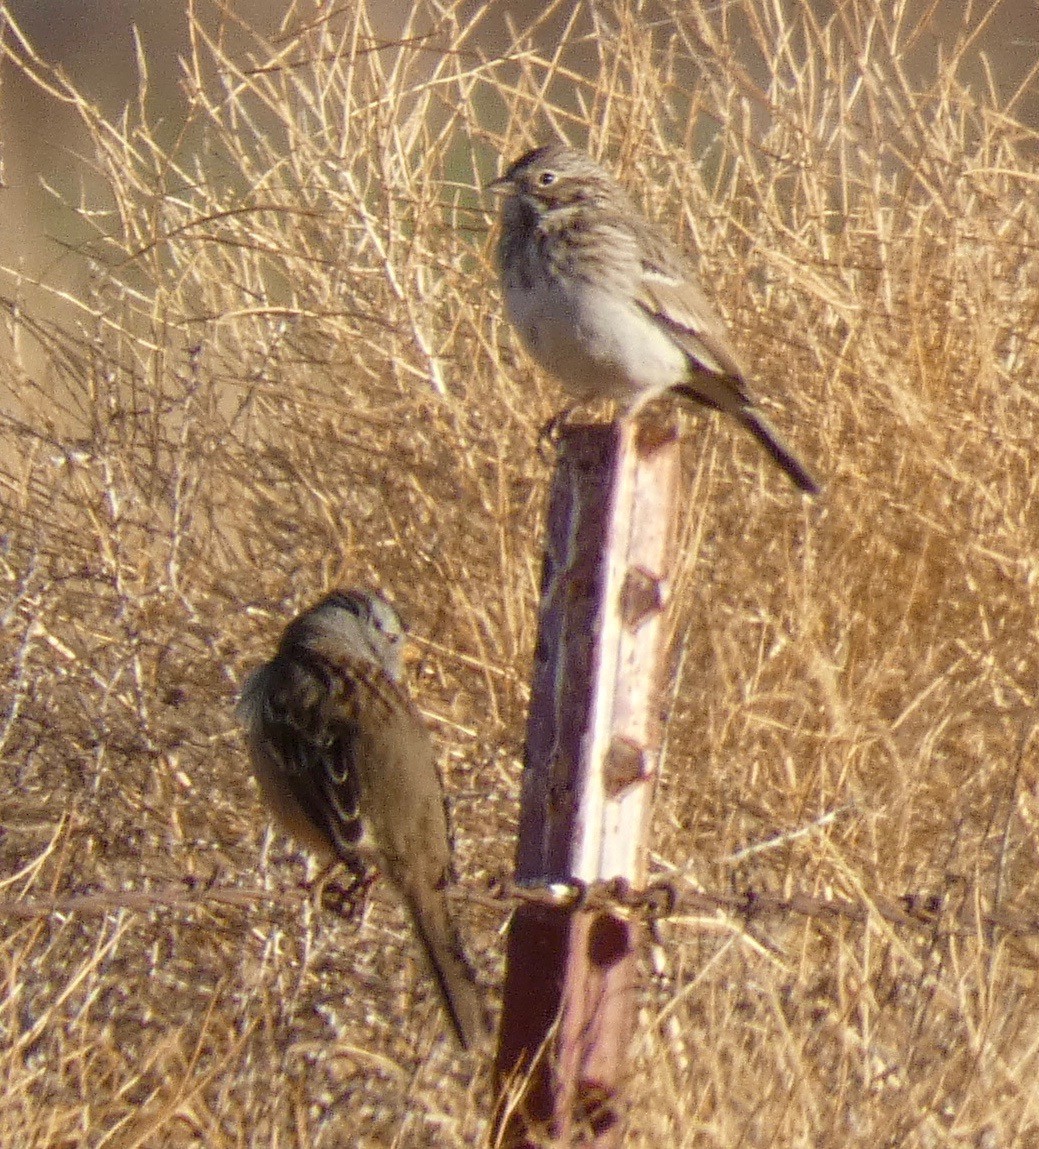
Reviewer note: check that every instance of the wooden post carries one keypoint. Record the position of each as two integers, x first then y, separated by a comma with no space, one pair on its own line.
593,740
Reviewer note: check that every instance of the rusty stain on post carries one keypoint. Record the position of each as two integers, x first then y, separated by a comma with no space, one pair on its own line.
593,742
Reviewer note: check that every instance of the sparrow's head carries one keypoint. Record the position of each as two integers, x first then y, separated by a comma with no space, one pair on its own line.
553,177
361,621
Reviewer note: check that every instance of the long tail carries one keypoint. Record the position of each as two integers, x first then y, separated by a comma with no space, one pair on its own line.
454,976
759,426
729,393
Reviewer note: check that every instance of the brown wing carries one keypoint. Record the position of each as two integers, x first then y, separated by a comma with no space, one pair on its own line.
304,748
670,291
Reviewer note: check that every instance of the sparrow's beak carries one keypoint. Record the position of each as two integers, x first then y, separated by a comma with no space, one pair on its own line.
499,186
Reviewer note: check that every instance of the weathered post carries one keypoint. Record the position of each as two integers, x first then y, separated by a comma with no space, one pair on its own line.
593,740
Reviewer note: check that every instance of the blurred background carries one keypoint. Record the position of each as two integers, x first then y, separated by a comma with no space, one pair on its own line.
95,43
282,364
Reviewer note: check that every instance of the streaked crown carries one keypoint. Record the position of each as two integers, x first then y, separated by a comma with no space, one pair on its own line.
363,621
555,176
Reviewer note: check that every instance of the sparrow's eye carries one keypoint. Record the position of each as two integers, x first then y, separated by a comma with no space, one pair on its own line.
546,179
387,622
390,628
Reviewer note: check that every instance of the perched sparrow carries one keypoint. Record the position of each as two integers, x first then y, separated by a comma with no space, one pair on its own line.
605,302
347,766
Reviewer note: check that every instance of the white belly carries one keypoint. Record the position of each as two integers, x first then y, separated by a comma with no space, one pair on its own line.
598,345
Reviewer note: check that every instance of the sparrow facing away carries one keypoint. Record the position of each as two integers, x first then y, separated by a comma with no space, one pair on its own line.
348,768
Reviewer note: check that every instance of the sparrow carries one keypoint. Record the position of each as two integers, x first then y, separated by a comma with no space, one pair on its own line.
604,301
347,766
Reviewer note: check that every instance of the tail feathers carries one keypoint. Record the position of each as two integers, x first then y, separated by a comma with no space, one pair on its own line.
759,426
455,979
729,393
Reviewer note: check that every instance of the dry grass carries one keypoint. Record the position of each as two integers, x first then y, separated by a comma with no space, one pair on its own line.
291,370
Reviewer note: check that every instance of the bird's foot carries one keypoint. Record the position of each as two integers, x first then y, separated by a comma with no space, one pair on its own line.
551,431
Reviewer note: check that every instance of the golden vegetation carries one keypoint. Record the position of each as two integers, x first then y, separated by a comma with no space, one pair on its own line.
290,369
